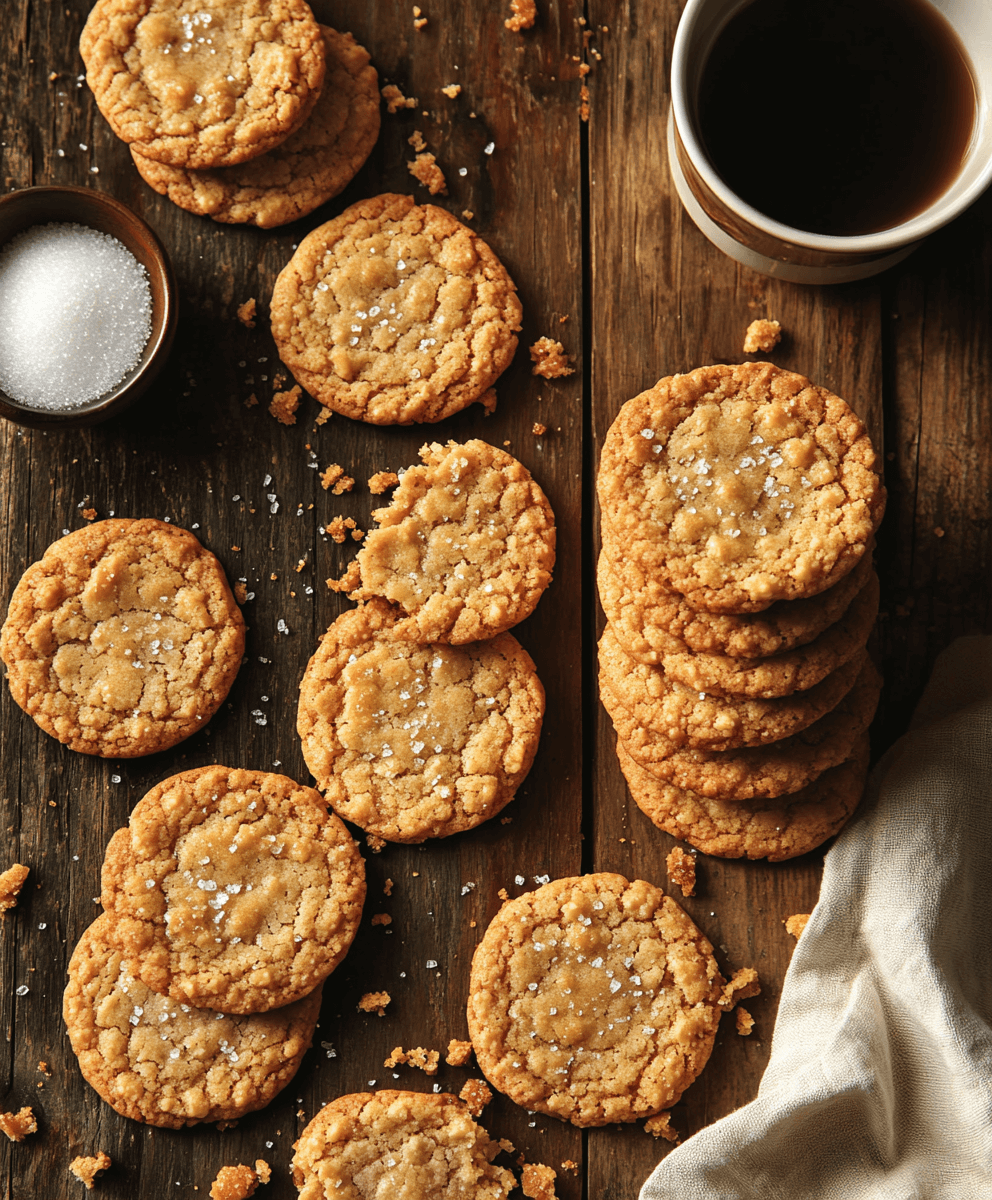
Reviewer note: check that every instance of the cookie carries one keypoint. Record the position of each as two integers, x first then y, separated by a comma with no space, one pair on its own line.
394,313
164,1063
465,548
650,701
205,84
123,639
774,829
411,741
394,1143
234,890
794,671
755,772
297,176
741,485
593,999
650,619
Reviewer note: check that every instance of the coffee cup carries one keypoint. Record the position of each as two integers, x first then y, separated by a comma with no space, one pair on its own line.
772,247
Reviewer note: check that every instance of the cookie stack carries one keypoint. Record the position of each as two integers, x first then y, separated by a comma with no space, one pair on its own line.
739,504
419,713
228,897
247,112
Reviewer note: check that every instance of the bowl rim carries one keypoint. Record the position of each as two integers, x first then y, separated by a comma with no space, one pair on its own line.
163,330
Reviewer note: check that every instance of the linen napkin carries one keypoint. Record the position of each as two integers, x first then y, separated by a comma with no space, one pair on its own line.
879,1083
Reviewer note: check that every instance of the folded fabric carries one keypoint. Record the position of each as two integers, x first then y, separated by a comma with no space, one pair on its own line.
879,1085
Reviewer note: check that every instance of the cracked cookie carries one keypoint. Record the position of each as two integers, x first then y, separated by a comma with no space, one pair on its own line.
593,999
753,772
203,83
411,741
775,829
297,176
393,1143
233,890
740,485
394,313
168,1064
465,547
123,639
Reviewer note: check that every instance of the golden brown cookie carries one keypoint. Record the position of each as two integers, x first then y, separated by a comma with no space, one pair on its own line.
650,619
741,485
782,674
593,999
234,890
409,740
123,639
394,1143
465,547
165,1063
652,702
203,83
395,312
297,176
761,771
773,829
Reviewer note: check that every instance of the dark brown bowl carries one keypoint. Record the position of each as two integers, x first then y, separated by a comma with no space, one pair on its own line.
82,206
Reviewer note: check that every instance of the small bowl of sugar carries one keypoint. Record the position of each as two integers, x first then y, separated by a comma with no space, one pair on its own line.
87,307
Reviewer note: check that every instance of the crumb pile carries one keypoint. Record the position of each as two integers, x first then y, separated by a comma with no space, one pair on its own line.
739,506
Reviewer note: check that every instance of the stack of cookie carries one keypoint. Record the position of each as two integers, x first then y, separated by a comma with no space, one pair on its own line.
247,111
739,504
228,897
419,713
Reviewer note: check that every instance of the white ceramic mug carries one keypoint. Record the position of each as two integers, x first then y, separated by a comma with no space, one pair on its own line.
756,240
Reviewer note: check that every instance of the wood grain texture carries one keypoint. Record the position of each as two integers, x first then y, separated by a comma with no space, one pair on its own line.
588,224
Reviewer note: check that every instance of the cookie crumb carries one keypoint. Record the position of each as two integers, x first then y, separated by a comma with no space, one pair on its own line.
537,1180
11,882
235,1183
762,335
43,1068
458,1053
87,1168
89,514
263,1170
382,481
374,1002
349,580
937,531
682,870
745,1022
743,984
241,592
424,1060
660,1126
505,820
794,924
285,404
387,888
382,919
524,15
373,841
416,140
452,90
419,21
538,430
506,1146
246,313
251,401
335,479
584,103
395,100
476,1095
549,359
425,170
503,894
324,416
568,1165
18,1125
467,214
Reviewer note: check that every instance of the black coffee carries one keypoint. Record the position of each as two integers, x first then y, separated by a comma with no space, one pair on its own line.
837,116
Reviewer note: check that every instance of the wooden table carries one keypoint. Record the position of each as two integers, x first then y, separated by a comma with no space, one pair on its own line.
586,220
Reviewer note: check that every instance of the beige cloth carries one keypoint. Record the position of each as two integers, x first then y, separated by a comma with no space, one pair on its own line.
879,1085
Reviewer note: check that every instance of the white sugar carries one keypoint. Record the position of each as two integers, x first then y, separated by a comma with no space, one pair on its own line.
75,315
